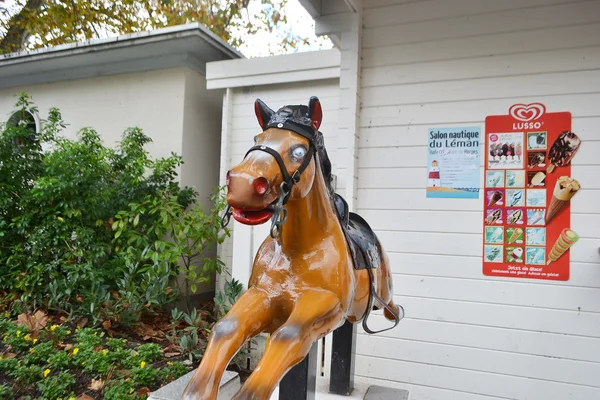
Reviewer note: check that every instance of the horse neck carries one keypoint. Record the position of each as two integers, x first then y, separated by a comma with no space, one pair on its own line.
310,218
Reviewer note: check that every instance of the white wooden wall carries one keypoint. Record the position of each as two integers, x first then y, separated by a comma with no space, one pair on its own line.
436,63
244,126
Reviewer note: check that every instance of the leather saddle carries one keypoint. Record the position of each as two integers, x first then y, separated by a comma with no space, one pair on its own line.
361,239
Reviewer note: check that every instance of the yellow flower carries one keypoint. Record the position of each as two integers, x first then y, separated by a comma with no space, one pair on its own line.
53,327
75,351
130,390
59,218
32,350
27,338
46,372
35,341
68,332
6,315
169,363
105,352
142,364
18,333
72,398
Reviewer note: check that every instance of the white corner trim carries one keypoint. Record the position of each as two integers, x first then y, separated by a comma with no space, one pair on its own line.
297,67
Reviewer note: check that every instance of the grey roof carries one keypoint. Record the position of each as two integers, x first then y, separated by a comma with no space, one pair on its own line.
191,45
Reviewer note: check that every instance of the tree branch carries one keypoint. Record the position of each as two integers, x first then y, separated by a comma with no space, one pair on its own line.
17,33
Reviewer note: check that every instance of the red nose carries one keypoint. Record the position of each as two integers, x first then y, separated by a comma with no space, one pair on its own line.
261,185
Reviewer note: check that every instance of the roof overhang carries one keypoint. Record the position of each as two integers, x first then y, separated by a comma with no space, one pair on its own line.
191,45
331,24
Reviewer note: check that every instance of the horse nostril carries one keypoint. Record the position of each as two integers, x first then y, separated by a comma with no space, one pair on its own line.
261,185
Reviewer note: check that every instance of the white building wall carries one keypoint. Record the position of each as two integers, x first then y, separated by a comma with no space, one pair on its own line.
244,126
466,336
151,100
172,107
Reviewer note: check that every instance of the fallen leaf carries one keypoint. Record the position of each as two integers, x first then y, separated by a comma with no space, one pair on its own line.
8,355
85,397
96,385
33,322
169,355
68,346
144,391
106,324
82,322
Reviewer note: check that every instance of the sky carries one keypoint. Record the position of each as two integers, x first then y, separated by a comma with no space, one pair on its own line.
299,22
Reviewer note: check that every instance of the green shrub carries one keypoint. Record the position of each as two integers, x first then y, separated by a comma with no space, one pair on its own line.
97,231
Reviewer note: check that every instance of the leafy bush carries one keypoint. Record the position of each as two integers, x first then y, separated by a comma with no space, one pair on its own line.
97,231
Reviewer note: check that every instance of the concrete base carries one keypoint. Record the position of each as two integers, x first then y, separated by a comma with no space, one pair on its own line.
384,393
230,384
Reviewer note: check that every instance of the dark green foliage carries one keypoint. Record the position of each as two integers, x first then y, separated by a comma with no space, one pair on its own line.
97,231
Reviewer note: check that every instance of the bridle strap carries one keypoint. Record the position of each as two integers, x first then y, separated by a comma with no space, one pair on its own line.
290,181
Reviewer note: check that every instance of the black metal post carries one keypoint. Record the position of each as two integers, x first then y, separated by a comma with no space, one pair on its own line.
342,360
300,383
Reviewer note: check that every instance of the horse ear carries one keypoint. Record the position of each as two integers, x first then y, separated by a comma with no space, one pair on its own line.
315,112
263,113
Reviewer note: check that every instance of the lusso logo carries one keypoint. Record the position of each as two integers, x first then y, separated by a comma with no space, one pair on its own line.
527,114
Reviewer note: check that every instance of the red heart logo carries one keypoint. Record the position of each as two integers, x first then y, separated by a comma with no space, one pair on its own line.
527,112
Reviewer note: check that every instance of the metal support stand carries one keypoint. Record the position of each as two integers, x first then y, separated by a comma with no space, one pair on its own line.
300,383
342,360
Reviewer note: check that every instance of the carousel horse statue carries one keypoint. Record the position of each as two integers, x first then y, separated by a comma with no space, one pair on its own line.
320,266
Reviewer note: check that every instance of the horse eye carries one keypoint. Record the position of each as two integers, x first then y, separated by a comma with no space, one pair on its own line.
298,153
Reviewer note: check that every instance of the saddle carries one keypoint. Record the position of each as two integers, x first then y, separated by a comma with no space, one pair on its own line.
361,239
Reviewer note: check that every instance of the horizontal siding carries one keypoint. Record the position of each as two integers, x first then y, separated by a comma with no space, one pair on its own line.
439,63
469,25
546,37
431,10
244,127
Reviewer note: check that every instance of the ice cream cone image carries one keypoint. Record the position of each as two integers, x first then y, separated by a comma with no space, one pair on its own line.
566,239
565,188
515,235
563,150
496,197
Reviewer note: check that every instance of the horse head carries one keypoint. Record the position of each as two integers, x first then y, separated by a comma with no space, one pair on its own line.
279,167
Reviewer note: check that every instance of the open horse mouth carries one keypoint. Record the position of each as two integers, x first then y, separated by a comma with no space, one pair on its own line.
251,217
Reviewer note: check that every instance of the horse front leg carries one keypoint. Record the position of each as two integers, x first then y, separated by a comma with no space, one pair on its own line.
315,314
249,316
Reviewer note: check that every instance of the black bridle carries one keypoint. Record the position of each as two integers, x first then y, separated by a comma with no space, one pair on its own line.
285,188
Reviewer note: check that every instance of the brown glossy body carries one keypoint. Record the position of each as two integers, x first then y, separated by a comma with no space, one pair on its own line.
303,284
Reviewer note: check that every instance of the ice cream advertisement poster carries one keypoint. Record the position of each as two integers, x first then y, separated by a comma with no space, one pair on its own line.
528,189
453,162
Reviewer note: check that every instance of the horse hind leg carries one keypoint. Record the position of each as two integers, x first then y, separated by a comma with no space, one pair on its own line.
386,289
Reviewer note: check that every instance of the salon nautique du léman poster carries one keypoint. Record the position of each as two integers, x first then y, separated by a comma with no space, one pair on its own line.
453,163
